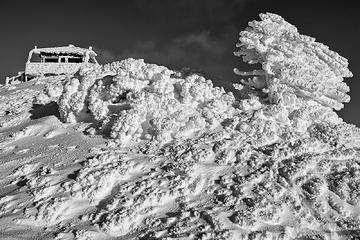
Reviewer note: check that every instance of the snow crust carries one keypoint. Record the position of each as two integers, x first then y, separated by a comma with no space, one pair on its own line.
145,152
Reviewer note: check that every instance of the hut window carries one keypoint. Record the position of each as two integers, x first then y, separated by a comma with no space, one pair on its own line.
35,58
75,60
51,59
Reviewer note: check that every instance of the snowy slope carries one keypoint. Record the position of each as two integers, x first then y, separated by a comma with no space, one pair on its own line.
131,150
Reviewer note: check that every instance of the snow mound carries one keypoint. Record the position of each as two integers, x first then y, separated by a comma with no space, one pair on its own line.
13,109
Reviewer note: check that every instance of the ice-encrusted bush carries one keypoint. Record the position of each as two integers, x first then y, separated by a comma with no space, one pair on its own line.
133,100
293,65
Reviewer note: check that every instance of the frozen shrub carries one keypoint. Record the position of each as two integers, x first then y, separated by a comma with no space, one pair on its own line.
133,100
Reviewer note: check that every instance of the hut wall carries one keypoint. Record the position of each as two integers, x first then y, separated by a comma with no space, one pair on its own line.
36,69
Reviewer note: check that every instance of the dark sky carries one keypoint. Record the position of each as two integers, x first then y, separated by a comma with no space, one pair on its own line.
200,34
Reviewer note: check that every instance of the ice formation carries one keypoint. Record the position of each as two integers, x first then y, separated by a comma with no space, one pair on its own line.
132,100
293,65
181,159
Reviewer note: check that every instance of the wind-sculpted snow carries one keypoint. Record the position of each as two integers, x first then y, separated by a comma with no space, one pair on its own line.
293,65
169,156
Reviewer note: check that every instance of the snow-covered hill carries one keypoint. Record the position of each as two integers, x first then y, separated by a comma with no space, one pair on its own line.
131,150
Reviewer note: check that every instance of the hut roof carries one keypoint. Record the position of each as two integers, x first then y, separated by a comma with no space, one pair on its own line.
71,49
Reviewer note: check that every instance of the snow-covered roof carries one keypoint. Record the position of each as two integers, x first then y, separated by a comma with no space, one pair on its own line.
71,49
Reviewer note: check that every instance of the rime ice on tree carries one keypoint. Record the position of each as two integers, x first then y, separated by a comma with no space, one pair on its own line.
293,65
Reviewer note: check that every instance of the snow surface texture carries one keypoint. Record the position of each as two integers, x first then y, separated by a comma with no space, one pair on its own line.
144,152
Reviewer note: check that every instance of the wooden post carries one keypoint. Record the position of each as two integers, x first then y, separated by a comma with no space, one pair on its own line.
7,81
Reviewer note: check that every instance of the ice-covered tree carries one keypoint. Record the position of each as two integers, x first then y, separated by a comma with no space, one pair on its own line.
294,66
